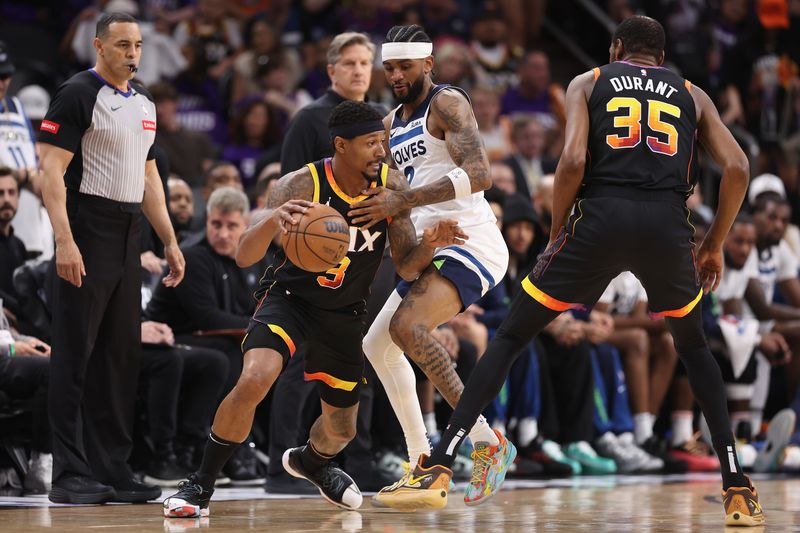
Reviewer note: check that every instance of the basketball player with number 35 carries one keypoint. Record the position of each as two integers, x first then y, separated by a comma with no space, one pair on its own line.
326,310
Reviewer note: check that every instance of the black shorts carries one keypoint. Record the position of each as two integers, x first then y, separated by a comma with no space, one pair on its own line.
614,229
334,358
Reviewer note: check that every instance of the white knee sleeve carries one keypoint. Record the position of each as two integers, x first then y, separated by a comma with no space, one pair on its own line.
397,377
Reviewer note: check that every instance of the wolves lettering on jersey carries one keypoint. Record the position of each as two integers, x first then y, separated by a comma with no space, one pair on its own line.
348,283
424,159
642,130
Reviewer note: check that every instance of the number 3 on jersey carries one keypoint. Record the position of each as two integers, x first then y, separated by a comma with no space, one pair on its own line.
338,275
633,121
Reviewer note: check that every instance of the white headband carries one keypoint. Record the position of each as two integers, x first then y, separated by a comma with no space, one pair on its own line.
405,51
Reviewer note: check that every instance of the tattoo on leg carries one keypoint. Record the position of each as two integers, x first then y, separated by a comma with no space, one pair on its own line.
332,433
434,360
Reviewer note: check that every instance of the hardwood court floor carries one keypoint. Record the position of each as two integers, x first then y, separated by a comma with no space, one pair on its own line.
586,504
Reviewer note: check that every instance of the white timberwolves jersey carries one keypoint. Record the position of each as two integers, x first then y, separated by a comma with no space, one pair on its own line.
16,136
424,159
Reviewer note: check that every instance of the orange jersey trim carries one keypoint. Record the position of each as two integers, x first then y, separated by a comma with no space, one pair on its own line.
280,332
330,381
683,311
596,72
335,186
545,299
687,84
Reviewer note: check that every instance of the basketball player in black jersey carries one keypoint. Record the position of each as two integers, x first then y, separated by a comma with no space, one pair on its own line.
326,310
630,145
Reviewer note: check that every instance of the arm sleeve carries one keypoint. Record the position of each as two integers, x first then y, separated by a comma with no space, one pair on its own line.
198,298
298,143
69,116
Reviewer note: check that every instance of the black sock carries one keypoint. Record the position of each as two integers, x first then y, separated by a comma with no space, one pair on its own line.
732,475
311,459
217,453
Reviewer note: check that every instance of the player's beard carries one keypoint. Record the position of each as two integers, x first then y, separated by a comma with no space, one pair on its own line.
414,90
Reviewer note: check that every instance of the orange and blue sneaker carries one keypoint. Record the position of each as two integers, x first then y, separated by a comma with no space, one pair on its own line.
422,488
489,467
741,506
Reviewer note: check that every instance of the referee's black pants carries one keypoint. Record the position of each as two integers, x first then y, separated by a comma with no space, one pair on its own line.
96,342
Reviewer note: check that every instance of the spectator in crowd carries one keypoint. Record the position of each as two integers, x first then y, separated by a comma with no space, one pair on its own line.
190,153
503,178
443,18
255,136
528,158
280,91
24,371
12,249
182,387
495,58
371,17
162,55
181,206
218,35
543,202
454,65
495,129
18,152
536,93
263,45
523,237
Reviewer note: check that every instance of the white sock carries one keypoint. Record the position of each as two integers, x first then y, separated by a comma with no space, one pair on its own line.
527,430
430,423
397,377
643,426
681,427
756,418
482,432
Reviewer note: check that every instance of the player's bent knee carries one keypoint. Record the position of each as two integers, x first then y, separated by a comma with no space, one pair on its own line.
400,329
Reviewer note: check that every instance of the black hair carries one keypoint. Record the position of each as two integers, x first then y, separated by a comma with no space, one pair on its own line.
352,112
407,34
743,218
163,91
765,198
641,35
493,194
110,18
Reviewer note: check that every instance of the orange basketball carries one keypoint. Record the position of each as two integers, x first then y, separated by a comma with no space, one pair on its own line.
319,241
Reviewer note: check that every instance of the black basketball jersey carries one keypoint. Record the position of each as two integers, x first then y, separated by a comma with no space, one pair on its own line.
347,284
642,129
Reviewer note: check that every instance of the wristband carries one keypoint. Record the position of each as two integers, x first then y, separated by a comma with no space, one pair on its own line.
461,184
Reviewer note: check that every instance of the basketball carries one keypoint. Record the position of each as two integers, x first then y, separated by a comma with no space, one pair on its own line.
319,241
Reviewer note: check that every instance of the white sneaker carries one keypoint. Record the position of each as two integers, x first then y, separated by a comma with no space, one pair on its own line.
746,453
651,463
779,434
609,445
40,473
790,459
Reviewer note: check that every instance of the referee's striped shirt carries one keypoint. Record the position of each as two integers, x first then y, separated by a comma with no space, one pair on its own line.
110,133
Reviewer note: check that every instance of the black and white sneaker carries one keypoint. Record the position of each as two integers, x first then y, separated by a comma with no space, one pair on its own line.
333,483
191,500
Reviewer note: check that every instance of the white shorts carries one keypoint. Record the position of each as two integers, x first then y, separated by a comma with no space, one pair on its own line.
474,267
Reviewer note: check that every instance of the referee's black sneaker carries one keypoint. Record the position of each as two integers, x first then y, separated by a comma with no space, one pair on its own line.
131,490
333,483
191,500
80,489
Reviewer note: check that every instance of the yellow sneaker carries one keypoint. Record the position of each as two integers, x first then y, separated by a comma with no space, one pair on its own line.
742,507
376,500
422,488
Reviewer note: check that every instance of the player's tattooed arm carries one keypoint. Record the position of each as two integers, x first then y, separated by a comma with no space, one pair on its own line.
411,257
387,124
289,198
452,113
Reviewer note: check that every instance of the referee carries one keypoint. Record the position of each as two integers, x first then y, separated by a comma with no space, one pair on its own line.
97,139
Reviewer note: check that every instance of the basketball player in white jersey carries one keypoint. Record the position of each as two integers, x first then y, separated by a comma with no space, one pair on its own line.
433,138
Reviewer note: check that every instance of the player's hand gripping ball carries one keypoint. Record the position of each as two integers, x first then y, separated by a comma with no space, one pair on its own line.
319,241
